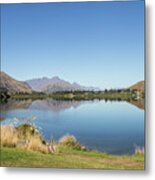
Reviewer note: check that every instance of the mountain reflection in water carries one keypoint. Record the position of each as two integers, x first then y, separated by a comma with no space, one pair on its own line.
113,127
54,105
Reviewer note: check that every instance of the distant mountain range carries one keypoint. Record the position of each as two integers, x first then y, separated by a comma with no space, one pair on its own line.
48,85
12,85
55,84
44,84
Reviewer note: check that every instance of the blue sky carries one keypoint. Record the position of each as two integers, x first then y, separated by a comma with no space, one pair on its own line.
95,44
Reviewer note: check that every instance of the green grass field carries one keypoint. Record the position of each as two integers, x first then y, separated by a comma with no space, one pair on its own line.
69,158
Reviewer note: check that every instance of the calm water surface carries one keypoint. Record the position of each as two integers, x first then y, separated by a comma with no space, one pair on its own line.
113,127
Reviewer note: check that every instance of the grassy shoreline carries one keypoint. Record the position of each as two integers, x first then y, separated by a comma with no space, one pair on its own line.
23,146
70,158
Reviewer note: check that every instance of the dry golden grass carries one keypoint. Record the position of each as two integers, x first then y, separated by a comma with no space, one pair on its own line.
11,137
27,137
36,144
70,141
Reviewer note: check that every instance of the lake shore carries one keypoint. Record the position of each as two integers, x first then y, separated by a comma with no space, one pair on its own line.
30,150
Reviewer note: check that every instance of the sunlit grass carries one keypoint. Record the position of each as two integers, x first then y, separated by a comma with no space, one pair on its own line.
69,158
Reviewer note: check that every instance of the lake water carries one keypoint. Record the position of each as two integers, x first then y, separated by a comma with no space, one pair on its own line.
113,127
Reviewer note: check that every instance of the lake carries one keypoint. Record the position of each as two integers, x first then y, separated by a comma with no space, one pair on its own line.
113,127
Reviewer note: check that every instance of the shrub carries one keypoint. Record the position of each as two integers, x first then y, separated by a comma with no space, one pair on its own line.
70,141
26,131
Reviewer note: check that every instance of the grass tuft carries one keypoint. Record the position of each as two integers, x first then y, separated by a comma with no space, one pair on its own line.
9,136
70,141
139,150
25,137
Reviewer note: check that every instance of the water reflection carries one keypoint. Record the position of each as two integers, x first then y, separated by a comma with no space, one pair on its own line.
55,105
14,104
113,127
138,103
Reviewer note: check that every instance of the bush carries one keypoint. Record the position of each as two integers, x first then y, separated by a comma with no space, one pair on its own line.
70,141
26,131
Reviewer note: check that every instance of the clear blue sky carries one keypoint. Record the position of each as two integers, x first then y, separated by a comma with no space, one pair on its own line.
95,44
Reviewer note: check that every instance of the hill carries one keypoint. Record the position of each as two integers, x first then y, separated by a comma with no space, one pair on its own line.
138,86
12,85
